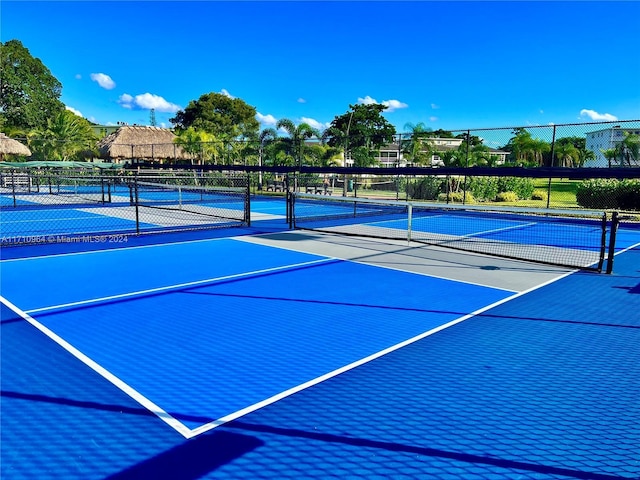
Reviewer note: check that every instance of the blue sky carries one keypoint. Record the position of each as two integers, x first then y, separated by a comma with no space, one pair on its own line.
451,65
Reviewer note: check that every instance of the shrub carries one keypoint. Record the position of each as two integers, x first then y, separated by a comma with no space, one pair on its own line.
597,193
507,197
457,197
522,187
427,188
483,188
488,188
628,195
539,195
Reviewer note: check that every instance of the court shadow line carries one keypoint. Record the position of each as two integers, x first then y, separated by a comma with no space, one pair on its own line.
419,310
34,397
417,450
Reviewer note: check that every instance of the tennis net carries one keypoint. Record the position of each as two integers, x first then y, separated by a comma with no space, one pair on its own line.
576,239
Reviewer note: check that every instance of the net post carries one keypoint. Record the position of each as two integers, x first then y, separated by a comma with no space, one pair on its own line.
290,199
409,220
615,221
247,202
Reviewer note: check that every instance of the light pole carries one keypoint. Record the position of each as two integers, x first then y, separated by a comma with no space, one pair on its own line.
346,149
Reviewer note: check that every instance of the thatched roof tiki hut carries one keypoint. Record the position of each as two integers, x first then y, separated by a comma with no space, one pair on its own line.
9,146
135,143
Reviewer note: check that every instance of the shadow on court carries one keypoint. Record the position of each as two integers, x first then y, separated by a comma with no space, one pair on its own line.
192,459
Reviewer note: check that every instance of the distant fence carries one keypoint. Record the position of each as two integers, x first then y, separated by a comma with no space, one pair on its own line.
597,144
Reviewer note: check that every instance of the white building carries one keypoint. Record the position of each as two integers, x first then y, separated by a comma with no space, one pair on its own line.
606,139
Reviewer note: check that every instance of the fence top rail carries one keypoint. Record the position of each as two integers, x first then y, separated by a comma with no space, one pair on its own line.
538,172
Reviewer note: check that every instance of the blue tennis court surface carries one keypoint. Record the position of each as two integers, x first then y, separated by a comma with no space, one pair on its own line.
287,356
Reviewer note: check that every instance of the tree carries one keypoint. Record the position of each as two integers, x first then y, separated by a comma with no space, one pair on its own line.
363,126
574,149
323,155
296,137
226,118
567,154
528,150
266,136
198,143
29,93
611,155
628,151
440,133
65,137
417,149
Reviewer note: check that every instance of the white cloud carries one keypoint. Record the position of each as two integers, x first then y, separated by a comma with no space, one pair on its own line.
314,123
103,80
266,119
391,105
434,106
73,110
302,100
433,119
226,93
367,100
126,101
78,76
147,101
595,116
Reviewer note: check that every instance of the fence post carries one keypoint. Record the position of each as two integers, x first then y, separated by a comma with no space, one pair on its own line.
135,196
464,185
553,144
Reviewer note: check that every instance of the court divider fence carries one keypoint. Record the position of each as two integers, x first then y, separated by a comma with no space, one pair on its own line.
43,206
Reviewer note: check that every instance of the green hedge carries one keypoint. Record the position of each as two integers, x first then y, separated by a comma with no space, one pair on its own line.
607,193
488,188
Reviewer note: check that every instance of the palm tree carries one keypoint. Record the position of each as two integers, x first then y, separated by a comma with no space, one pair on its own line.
66,136
567,154
266,136
297,136
198,143
629,150
585,155
418,150
539,148
611,154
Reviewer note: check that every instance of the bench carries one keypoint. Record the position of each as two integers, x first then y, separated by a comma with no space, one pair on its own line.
16,180
318,189
275,186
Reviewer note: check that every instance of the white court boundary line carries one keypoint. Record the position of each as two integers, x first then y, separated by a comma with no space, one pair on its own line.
256,406
107,375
